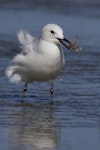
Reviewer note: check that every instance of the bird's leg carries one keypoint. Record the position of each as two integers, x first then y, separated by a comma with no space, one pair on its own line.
51,93
24,91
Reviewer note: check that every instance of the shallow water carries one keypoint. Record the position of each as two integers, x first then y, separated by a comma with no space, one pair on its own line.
73,121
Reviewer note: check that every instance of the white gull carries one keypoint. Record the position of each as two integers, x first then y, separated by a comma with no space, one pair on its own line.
41,59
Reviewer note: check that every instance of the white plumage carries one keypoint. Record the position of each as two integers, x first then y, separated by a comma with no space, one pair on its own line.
41,59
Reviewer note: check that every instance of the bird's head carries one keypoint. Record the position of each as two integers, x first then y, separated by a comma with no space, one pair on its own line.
54,34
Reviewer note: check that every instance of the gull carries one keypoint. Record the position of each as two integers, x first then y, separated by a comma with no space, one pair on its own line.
40,59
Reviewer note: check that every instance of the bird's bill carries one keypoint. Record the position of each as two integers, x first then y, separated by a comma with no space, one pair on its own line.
65,42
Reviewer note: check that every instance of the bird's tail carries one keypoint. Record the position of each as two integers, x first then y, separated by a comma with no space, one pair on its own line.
12,76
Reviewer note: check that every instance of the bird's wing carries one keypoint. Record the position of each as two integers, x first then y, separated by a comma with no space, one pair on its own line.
27,41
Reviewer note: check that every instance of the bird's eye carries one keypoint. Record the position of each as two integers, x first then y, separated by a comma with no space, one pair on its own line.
52,32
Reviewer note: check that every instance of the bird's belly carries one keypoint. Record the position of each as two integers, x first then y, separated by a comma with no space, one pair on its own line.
44,72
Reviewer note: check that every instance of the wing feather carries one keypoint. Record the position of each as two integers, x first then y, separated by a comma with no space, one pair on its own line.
27,41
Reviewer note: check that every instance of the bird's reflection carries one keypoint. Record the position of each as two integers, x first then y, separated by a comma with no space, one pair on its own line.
35,127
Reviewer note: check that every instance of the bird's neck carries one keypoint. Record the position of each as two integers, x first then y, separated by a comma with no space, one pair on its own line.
49,48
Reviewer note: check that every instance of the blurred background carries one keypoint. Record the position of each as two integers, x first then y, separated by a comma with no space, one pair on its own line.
73,121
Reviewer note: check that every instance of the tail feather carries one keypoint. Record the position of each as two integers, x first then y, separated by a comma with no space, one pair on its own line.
13,77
